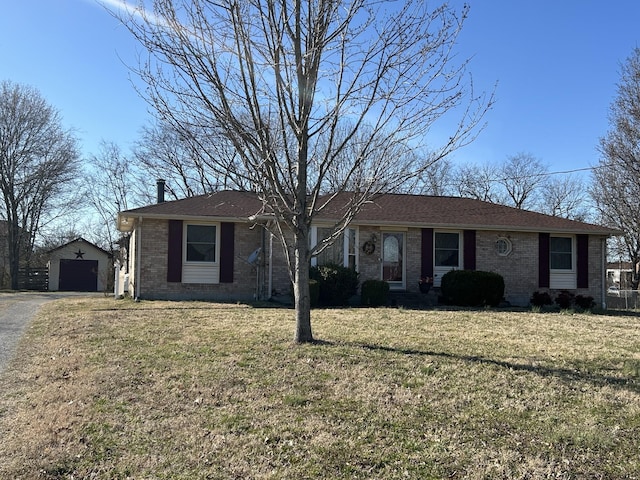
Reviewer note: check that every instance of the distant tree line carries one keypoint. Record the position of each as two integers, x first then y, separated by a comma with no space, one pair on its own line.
45,199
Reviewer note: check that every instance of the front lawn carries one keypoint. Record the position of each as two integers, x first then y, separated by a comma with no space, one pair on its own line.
107,389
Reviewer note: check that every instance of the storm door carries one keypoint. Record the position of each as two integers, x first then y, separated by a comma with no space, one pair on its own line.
393,264
447,254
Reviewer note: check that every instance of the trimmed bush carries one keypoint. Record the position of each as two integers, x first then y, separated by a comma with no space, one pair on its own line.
314,292
585,302
337,284
472,288
374,293
565,300
540,299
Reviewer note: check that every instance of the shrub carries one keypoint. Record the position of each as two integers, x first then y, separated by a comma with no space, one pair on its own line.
565,300
314,292
540,299
472,288
585,302
336,284
374,293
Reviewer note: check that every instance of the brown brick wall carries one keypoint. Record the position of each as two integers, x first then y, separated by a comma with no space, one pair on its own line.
248,281
519,269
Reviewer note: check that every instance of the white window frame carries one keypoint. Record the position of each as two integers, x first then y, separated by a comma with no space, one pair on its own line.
184,242
439,271
199,271
564,278
346,253
504,247
573,254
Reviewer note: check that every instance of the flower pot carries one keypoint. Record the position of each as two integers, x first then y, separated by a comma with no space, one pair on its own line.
424,287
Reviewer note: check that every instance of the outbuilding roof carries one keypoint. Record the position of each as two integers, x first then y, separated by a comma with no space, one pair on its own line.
383,210
82,241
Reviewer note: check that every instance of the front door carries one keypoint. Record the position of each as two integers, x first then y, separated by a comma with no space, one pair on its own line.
393,259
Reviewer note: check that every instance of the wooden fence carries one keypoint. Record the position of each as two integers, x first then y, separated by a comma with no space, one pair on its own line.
33,279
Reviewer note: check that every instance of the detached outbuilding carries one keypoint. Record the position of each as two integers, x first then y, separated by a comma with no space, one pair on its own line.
79,266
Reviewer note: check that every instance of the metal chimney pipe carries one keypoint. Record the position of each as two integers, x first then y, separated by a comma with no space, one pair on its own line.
160,183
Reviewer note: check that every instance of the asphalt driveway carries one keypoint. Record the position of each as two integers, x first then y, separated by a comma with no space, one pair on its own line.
17,309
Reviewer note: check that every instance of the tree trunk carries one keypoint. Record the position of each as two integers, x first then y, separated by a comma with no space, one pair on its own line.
14,269
14,253
302,298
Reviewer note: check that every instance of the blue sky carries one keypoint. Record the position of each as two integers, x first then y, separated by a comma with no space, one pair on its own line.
556,63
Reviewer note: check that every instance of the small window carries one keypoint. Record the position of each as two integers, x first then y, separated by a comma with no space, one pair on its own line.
201,243
447,249
561,256
341,252
503,246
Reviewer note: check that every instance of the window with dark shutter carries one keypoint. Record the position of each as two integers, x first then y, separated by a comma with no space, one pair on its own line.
543,260
174,251
201,243
561,253
427,252
469,246
227,255
583,261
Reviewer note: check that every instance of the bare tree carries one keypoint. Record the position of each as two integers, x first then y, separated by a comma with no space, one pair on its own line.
616,180
564,196
192,161
112,189
437,180
38,161
521,176
305,89
479,181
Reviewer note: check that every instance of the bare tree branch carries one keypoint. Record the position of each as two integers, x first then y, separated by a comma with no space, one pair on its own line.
38,162
616,181
313,95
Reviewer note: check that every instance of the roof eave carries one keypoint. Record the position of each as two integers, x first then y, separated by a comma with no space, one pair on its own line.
126,220
126,223
490,227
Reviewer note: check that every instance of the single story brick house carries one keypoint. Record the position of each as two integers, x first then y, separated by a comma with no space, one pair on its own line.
215,247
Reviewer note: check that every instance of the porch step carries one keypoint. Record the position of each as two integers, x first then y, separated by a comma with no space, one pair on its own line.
413,299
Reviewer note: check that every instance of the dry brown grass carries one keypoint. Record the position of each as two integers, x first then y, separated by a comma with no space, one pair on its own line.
109,389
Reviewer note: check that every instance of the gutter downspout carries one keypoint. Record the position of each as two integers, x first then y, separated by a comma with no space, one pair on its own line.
603,273
270,278
116,280
136,287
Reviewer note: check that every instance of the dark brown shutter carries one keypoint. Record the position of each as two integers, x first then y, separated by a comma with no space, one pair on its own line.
469,249
174,255
226,252
583,261
544,271
426,266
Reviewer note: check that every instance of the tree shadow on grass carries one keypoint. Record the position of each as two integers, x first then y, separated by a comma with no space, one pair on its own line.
630,383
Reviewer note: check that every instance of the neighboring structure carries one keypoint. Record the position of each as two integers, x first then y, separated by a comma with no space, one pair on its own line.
215,247
79,266
619,274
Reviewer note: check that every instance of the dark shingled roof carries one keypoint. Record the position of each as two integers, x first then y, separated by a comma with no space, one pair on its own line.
384,209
